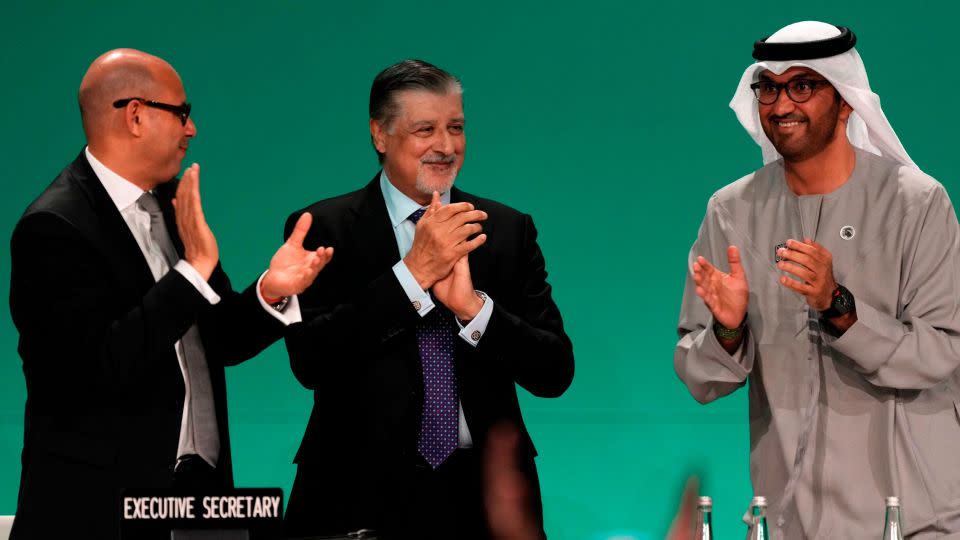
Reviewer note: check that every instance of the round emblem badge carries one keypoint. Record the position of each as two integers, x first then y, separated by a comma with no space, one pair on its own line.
847,232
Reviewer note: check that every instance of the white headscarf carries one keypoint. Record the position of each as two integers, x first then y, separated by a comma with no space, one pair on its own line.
867,127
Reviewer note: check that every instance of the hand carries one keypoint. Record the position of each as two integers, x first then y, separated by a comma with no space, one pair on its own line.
506,490
685,522
456,291
813,265
293,268
199,245
441,240
726,295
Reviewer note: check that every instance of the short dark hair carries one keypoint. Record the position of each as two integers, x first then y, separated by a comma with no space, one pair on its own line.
405,75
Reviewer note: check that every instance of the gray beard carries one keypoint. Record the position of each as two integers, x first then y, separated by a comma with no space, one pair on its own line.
427,189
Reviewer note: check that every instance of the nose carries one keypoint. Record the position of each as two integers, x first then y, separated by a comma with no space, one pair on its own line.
783,105
443,143
190,128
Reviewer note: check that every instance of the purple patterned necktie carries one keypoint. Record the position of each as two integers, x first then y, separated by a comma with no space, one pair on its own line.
439,425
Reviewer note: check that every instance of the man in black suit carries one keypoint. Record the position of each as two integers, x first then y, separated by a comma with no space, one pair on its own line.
419,332
125,317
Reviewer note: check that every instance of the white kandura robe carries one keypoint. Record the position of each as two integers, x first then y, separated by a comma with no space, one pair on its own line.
885,417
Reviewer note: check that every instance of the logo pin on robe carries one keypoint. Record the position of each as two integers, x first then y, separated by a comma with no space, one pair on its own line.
776,251
847,232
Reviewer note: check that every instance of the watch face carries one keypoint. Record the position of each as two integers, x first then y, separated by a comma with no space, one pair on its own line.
843,302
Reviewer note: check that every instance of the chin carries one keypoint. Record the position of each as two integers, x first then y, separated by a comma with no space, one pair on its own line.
427,184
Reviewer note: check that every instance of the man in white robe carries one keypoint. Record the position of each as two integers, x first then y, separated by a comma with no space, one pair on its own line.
837,296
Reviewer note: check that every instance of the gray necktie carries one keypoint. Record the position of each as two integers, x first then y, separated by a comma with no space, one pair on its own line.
198,428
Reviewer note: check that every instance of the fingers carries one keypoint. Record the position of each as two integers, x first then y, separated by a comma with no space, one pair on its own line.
733,258
469,216
466,231
324,254
188,194
447,212
803,273
799,257
435,201
792,284
704,264
469,245
300,230
809,247
702,270
189,179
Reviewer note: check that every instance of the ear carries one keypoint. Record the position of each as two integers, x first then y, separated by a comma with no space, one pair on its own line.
134,117
845,110
378,134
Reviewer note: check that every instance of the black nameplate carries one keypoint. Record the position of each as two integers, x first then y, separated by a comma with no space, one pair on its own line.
247,513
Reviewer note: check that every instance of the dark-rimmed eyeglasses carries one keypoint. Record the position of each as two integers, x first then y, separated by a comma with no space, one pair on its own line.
182,111
798,90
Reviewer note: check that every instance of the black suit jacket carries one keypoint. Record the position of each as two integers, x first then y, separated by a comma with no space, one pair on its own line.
358,351
104,388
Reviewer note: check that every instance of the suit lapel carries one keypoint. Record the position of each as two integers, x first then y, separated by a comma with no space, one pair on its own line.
373,237
100,221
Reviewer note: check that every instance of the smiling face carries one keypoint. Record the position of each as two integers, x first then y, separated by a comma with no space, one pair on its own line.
800,131
423,146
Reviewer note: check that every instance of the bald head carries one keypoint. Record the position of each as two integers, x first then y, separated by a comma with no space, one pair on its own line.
118,74
143,141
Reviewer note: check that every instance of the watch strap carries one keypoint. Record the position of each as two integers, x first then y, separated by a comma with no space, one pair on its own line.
723,332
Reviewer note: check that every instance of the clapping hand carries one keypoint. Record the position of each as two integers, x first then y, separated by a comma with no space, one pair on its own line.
293,268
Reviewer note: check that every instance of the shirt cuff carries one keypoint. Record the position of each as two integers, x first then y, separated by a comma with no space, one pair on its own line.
419,298
474,330
863,341
188,271
290,313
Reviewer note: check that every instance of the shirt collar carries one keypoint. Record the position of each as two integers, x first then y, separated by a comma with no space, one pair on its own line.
122,192
399,206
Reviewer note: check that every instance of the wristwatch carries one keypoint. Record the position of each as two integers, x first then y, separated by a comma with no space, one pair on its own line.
281,304
723,332
841,303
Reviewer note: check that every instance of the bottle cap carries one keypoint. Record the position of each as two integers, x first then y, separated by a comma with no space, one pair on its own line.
759,501
705,501
893,501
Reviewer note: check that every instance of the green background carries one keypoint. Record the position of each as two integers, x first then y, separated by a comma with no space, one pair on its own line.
607,121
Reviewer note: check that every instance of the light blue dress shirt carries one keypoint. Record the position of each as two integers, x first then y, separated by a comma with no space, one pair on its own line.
399,208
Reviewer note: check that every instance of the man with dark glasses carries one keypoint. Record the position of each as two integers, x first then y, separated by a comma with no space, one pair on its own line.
837,300
126,318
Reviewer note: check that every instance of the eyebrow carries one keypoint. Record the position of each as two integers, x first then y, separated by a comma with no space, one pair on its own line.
800,75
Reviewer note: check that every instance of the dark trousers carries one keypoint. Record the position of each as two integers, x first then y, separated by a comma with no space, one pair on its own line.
417,502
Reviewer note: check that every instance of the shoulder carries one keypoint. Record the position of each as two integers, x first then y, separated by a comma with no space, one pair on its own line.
328,211
60,197
63,202
909,186
496,211
758,185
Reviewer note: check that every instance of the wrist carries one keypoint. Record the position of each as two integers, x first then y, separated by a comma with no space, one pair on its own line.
473,308
204,267
729,334
424,281
841,303
268,294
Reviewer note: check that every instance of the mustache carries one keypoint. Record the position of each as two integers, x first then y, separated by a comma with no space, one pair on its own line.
439,158
787,118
